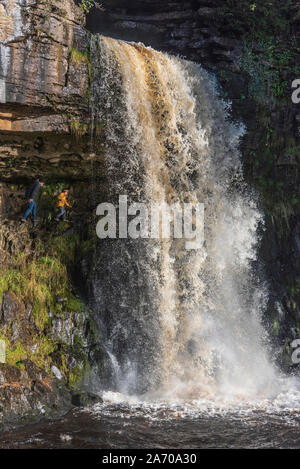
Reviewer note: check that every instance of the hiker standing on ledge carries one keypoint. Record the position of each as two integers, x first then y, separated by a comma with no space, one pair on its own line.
62,203
31,194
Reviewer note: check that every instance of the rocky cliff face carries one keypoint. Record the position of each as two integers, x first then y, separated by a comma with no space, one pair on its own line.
52,344
36,66
187,27
41,366
44,90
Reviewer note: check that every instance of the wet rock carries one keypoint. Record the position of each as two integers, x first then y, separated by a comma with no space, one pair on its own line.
198,44
71,362
53,33
46,93
25,396
82,400
180,44
206,12
9,373
225,54
37,98
63,329
56,373
11,308
223,42
60,300
32,371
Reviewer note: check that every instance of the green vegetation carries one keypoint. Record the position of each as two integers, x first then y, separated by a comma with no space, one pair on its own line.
15,353
87,5
294,290
79,57
83,57
78,129
47,204
38,280
256,20
275,326
35,279
266,66
270,51
267,69
38,350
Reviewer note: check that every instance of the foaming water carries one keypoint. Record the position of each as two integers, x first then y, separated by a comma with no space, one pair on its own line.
179,323
123,421
285,405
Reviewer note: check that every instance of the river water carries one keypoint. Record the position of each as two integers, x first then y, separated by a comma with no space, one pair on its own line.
129,423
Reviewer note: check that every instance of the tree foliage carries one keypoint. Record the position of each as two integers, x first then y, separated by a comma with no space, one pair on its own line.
88,5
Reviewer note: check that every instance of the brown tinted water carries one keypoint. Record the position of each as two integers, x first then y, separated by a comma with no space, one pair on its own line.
124,426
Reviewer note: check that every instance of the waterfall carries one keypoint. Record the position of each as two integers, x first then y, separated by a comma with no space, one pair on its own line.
179,322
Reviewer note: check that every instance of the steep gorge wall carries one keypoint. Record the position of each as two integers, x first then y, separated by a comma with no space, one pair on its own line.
52,344
44,91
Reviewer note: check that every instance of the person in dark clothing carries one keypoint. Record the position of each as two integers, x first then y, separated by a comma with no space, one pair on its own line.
31,194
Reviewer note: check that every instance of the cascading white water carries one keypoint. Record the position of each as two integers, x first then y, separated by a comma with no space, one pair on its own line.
180,323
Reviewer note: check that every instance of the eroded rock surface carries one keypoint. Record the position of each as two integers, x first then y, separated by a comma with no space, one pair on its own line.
35,57
44,90
51,342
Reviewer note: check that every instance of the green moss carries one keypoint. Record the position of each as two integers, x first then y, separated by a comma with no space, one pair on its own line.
15,353
20,365
78,342
270,51
42,355
82,57
40,315
79,57
78,373
78,129
65,247
75,375
87,5
73,304
37,279
267,62
275,327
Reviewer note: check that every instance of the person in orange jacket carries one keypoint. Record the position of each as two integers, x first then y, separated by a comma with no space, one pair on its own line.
62,203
